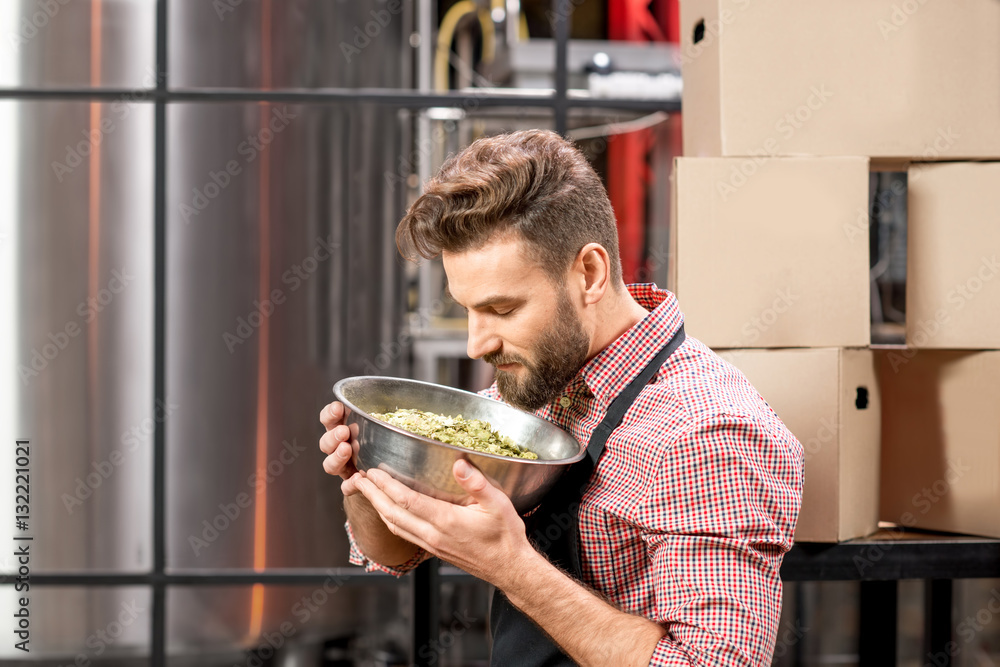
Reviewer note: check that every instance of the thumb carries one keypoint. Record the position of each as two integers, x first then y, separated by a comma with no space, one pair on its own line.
474,482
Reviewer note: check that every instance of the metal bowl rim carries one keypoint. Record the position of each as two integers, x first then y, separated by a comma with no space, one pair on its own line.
339,395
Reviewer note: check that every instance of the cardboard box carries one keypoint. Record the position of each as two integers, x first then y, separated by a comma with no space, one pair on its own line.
941,439
829,399
883,78
771,257
953,256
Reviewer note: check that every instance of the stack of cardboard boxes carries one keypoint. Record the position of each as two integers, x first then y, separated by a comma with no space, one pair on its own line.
941,420
788,107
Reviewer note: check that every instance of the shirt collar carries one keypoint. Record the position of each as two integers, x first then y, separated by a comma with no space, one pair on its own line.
620,362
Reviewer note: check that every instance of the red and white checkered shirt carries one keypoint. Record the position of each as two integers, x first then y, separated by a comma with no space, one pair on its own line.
694,501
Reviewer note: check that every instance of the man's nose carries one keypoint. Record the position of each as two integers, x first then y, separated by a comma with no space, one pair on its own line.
481,339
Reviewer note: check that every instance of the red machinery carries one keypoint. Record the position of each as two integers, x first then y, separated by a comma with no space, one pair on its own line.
628,172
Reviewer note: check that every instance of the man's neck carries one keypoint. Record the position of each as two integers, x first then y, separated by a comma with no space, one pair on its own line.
621,313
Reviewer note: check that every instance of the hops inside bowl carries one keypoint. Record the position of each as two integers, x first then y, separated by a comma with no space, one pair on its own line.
473,434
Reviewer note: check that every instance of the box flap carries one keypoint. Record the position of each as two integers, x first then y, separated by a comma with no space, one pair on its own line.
860,419
701,129
941,439
673,255
953,260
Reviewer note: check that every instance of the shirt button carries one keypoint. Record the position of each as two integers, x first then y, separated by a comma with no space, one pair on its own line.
565,401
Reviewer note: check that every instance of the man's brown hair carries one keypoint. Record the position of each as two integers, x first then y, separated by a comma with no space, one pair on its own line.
532,183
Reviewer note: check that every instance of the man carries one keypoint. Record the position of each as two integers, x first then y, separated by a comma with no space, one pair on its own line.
669,536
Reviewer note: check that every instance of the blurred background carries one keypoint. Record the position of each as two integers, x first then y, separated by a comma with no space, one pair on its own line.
197,206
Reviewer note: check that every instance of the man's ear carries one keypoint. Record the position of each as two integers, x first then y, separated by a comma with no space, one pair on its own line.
594,267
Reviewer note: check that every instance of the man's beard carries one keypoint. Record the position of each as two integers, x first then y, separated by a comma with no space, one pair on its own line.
560,354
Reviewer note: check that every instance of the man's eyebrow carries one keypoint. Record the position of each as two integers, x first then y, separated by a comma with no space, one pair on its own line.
495,299
485,303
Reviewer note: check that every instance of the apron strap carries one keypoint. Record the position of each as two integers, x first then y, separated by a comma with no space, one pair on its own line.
616,411
581,472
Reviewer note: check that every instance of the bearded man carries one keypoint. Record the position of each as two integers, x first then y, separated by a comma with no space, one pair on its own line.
679,516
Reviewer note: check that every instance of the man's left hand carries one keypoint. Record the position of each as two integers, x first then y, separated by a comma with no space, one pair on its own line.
483,537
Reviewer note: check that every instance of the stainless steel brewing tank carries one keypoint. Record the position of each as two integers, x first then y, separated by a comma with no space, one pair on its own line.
281,278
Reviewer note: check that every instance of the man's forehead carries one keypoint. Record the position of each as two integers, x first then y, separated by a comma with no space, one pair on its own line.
493,261
498,270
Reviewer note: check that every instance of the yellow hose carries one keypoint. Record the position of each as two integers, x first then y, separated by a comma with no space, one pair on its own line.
446,33
489,35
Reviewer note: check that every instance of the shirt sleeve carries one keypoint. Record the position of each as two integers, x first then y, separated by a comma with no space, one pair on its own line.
356,557
721,516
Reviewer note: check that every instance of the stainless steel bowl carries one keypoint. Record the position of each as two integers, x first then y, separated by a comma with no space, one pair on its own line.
426,465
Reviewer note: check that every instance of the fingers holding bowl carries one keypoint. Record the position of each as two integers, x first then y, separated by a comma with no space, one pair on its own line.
332,415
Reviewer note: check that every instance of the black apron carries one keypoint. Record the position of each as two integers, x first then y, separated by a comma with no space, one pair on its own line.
553,529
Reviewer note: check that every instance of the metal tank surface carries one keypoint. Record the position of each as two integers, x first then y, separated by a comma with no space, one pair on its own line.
281,277
77,347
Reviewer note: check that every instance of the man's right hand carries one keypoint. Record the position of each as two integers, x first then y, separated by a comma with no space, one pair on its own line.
374,538
336,443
